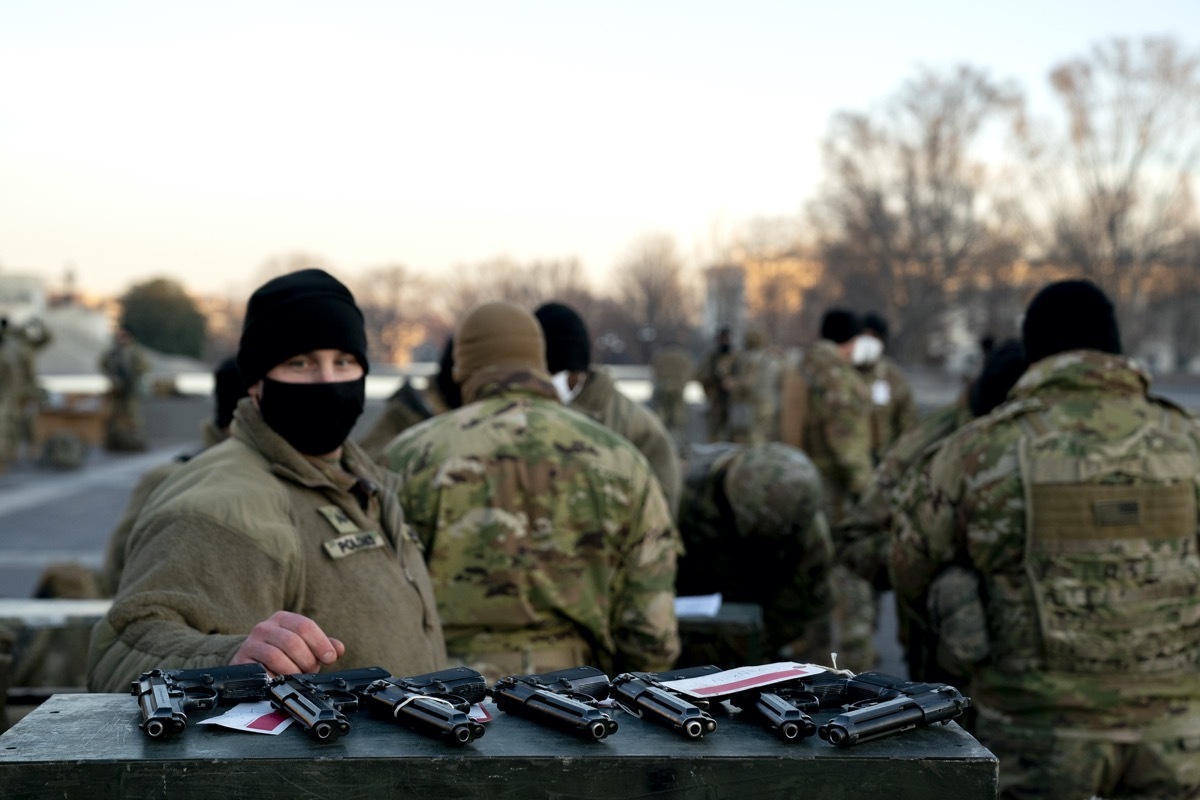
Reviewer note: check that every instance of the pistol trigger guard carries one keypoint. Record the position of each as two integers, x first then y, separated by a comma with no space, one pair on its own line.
202,697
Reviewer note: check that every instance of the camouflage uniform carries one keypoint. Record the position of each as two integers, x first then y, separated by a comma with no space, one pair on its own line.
864,534
1076,504
33,337
753,529
837,437
11,390
893,407
547,536
673,367
124,366
601,400
754,393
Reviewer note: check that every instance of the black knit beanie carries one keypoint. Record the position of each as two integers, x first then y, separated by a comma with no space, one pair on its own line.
228,389
568,346
839,325
1069,315
298,313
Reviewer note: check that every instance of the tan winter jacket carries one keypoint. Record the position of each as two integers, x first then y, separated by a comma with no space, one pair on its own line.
250,527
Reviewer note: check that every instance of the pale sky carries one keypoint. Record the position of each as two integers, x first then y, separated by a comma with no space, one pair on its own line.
197,140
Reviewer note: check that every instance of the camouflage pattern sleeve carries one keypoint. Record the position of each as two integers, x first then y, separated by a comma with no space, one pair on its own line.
925,534
863,537
645,631
847,429
417,496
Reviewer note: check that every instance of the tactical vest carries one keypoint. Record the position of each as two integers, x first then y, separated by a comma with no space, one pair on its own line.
1111,576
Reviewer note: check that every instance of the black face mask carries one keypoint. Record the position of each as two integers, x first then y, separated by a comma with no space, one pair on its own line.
314,418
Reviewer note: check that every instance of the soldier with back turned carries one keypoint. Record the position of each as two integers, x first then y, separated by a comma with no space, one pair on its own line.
547,535
1076,504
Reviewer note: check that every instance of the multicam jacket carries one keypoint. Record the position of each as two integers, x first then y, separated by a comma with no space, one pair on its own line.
893,407
752,524
601,400
1076,502
837,426
542,527
863,537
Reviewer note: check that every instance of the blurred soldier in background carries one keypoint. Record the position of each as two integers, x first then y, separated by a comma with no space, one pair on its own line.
125,366
528,578
409,405
593,392
10,392
753,391
837,437
893,408
673,368
20,396
753,530
1075,504
714,376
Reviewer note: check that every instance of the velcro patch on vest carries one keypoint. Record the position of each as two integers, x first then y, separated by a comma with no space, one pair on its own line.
353,543
338,519
1108,513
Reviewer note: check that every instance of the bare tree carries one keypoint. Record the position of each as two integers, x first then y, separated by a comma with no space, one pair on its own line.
1115,178
650,283
905,211
391,298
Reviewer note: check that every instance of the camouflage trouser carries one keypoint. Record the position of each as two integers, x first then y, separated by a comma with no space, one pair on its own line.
1037,763
854,615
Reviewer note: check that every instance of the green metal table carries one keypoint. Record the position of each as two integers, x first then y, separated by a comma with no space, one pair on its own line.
89,746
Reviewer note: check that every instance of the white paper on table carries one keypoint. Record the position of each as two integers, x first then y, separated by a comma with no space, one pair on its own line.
700,605
731,681
260,717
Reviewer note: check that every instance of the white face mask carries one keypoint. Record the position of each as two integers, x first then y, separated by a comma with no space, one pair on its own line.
563,386
867,350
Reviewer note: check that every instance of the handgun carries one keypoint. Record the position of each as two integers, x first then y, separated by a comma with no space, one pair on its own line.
642,694
434,703
888,705
166,696
775,712
319,701
563,699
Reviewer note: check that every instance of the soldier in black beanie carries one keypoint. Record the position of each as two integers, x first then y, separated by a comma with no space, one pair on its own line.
303,358
595,393
267,546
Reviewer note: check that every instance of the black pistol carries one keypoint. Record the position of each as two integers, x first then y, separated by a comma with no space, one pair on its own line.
319,701
434,704
563,699
643,695
166,696
775,712
879,705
